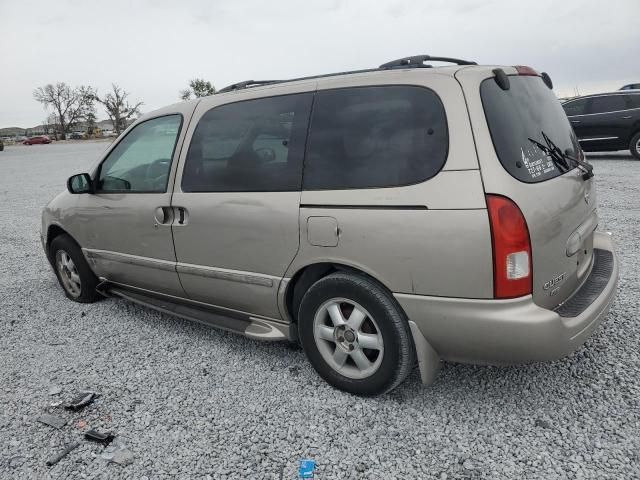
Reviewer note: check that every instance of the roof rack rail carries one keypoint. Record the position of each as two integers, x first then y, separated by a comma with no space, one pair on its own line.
406,62
246,84
418,61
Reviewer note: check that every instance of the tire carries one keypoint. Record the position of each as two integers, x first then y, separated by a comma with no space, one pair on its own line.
339,357
74,275
634,145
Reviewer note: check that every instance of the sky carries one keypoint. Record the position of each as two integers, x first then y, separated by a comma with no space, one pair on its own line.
153,48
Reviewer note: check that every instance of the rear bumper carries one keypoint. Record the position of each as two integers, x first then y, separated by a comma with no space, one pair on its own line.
507,331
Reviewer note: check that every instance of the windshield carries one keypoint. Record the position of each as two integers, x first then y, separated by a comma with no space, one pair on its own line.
522,113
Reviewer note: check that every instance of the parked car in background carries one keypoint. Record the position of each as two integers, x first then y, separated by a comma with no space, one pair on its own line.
1,145
442,212
631,86
37,139
76,136
606,121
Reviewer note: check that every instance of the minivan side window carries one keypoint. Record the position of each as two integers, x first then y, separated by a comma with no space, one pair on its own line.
381,136
249,146
610,103
575,107
141,161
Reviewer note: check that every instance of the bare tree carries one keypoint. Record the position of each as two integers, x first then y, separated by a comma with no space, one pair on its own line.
119,110
70,105
199,88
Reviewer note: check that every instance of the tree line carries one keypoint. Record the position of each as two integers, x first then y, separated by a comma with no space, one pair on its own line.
69,106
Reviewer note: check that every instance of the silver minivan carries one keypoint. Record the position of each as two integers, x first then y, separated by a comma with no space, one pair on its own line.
383,218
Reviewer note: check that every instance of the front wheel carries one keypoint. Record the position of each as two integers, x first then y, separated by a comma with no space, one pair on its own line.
355,335
634,146
75,277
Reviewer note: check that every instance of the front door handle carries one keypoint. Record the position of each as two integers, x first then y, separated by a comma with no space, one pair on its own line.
627,117
162,216
575,121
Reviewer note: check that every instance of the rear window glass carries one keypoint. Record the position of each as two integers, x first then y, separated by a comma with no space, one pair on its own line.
522,113
364,137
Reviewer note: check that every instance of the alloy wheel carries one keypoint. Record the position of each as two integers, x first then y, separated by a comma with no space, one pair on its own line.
68,273
348,338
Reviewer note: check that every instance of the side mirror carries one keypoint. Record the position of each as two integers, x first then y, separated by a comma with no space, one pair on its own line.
80,183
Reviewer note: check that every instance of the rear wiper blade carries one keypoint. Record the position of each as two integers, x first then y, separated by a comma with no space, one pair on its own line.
560,158
587,170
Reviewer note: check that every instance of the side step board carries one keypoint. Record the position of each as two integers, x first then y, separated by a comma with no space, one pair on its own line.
232,321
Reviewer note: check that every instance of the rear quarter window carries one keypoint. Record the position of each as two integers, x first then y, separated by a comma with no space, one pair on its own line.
382,136
522,113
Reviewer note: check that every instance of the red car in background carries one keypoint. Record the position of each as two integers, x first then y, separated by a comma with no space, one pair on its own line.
36,140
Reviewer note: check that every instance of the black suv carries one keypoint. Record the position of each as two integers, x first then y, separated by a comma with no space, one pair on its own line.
606,121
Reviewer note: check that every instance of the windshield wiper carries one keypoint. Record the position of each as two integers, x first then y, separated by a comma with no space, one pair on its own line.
556,156
560,158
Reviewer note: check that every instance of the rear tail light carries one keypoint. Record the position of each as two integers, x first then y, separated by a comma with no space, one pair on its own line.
512,276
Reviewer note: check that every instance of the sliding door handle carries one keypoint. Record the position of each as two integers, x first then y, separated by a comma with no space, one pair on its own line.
181,216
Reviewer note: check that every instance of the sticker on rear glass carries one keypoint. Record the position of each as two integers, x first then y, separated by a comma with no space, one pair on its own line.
536,167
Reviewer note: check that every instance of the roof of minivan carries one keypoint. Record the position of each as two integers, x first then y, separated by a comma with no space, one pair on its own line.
319,80
449,70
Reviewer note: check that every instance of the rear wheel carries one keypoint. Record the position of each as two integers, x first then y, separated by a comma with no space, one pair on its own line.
75,277
355,335
634,146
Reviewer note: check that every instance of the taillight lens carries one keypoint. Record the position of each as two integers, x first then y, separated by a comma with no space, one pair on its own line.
512,276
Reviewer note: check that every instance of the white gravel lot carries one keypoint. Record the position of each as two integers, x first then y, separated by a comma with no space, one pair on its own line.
194,402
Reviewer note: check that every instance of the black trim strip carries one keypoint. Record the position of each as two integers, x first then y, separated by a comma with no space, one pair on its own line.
365,207
595,284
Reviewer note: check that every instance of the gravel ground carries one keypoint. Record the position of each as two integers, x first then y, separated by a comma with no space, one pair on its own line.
193,402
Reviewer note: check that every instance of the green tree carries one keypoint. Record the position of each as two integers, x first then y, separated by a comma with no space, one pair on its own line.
198,87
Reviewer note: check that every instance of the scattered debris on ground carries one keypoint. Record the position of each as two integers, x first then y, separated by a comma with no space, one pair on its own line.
118,453
52,420
95,436
59,456
306,468
80,401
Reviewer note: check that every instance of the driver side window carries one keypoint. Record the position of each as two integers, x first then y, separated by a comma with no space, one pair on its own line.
141,161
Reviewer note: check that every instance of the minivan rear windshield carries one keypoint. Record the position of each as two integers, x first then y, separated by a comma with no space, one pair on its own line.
521,114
